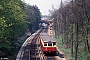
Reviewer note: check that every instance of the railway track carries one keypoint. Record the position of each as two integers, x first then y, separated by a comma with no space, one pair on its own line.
44,30
31,49
34,48
57,56
50,58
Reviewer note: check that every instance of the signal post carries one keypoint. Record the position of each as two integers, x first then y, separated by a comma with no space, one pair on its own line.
50,27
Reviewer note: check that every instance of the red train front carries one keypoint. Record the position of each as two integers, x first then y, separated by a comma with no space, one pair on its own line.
47,43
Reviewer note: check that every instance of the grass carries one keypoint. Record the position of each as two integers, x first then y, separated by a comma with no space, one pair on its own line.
81,55
67,51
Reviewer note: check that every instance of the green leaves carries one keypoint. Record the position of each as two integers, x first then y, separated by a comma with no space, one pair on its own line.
12,21
33,17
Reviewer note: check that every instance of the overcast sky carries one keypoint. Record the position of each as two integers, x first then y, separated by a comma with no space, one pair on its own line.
44,5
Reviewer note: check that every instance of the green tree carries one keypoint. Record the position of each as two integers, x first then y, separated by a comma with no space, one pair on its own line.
33,17
12,22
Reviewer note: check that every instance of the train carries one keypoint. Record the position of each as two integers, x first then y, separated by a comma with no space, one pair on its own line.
48,44
44,26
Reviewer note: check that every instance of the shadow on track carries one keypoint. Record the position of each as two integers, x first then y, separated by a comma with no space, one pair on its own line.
55,54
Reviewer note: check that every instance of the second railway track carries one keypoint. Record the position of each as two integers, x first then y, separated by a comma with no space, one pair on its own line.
33,50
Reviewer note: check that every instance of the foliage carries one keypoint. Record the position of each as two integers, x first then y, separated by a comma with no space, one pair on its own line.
33,17
12,23
16,17
72,22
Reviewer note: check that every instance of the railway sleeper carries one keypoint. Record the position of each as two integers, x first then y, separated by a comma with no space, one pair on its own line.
35,58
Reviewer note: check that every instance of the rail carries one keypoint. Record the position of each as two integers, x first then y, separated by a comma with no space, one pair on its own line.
21,51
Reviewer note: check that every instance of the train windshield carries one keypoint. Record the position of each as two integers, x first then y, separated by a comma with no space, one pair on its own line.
45,44
54,43
49,43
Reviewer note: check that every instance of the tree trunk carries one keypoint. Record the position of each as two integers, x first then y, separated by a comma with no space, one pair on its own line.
72,42
76,42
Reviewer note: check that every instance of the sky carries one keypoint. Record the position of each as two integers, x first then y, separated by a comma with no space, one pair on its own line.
44,5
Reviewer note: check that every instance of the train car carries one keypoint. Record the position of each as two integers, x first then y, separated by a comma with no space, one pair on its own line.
48,44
